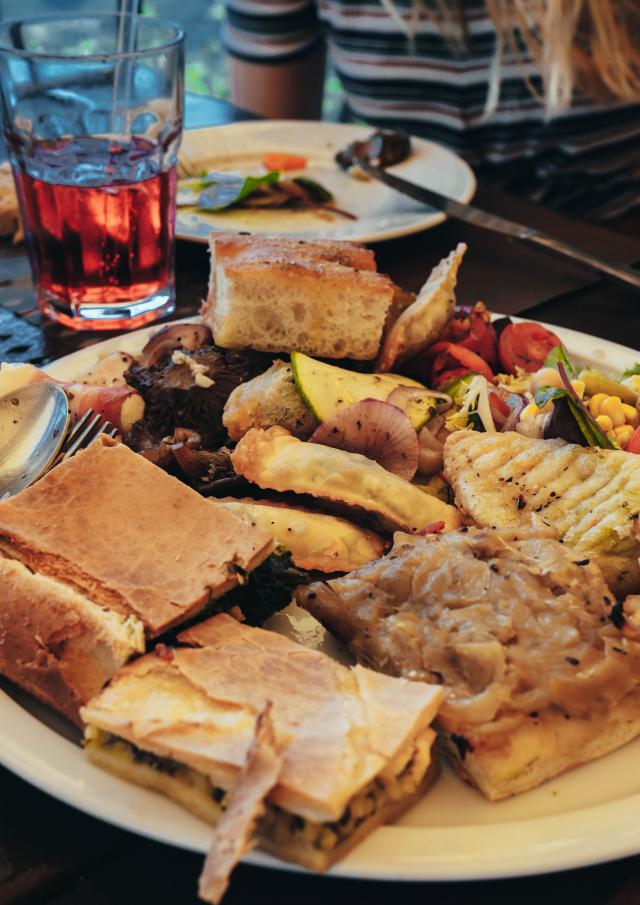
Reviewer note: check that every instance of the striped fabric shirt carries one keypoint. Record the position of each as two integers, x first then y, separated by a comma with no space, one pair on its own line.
399,70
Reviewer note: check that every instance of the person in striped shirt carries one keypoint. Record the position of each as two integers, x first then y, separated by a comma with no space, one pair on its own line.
540,96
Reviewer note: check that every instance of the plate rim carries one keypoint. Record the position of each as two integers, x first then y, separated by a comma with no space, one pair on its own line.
467,852
356,130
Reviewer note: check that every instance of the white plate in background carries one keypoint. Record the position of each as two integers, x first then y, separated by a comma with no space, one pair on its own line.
381,212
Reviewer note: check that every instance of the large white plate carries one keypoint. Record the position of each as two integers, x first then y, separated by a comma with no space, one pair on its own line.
586,816
381,212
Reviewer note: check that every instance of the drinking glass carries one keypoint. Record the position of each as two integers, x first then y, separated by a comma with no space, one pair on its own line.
92,109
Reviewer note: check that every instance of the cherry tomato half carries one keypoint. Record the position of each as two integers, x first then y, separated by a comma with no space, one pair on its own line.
472,328
633,446
525,346
450,361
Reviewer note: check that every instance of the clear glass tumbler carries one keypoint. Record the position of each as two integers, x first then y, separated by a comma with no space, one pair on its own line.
92,111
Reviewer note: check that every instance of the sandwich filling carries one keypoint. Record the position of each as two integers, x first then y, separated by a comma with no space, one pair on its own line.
196,791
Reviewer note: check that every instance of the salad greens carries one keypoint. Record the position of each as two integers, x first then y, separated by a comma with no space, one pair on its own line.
217,191
559,354
631,372
590,430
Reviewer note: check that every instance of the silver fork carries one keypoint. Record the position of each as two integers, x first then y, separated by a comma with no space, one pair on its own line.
84,432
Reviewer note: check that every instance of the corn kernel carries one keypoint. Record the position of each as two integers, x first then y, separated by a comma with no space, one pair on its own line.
579,387
595,402
630,414
612,406
530,411
605,423
623,434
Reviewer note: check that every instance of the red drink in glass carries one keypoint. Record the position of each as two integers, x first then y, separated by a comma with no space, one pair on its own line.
92,111
96,237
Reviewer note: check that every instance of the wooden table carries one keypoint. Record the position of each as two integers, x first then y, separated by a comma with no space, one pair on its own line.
50,853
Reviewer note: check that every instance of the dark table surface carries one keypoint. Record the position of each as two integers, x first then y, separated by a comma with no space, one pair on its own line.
50,853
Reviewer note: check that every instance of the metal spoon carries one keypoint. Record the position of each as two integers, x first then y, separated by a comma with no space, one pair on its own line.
33,423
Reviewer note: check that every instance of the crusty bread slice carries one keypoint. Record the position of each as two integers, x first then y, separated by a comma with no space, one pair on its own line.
242,246
128,535
314,306
56,643
10,221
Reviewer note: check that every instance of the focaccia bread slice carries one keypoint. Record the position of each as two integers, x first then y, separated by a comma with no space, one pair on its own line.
275,460
298,305
536,658
590,496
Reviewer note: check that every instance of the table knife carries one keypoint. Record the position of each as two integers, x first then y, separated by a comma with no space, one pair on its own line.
486,220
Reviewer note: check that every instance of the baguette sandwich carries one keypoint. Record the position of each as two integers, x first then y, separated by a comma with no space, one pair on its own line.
539,664
275,295
105,551
354,746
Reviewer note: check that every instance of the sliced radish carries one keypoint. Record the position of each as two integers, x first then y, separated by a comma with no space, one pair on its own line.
171,337
378,430
516,404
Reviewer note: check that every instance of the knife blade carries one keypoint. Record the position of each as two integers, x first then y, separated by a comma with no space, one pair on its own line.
486,220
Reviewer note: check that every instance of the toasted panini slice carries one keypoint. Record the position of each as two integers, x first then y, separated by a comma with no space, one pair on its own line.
421,323
275,460
539,668
591,496
316,541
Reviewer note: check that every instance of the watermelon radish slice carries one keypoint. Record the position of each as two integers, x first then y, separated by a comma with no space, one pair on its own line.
378,430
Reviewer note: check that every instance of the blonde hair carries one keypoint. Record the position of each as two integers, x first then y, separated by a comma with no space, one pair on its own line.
589,45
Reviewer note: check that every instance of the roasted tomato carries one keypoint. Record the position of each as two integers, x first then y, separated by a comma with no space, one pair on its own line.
450,361
472,328
525,346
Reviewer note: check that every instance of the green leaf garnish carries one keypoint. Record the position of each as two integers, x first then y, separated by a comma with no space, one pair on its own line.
559,353
631,372
318,193
220,195
590,429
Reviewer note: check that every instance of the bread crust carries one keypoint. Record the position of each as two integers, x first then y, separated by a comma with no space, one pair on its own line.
274,295
131,537
57,644
541,747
